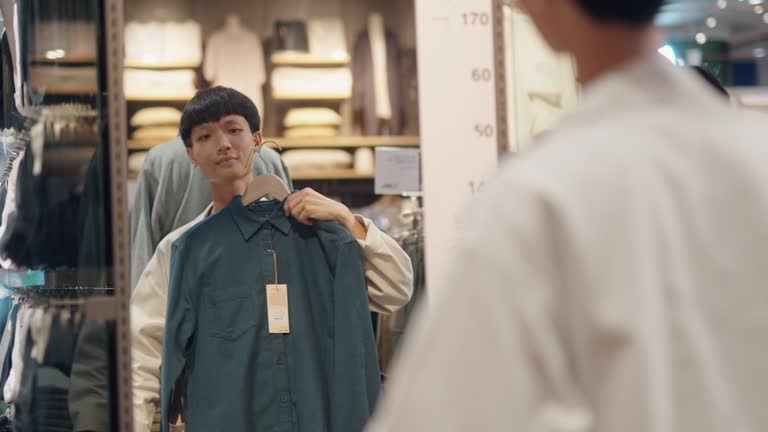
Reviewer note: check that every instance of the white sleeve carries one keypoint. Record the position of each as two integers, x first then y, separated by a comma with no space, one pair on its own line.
148,309
388,270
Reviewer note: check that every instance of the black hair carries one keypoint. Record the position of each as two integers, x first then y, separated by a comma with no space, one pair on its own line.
633,12
210,105
711,79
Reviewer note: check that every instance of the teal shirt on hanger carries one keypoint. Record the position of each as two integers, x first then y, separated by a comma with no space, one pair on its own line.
218,354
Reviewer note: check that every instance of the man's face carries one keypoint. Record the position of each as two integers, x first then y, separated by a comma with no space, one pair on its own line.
224,149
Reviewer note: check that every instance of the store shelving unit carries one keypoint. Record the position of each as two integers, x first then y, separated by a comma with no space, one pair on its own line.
330,174
339,142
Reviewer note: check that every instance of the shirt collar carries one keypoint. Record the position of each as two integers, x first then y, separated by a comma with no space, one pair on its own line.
250,219
205,214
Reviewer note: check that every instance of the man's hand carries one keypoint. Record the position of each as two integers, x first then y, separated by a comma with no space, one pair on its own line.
308,205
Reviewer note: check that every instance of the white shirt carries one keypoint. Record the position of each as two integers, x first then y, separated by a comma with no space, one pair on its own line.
234,58
163,43
614,278
388,275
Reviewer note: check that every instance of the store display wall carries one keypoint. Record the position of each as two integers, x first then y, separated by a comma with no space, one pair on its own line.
332,75
59,282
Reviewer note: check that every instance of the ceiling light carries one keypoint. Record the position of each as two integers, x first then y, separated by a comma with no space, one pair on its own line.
55,54
755,2
701,38
669,53
722,4
759,52
711,22
759,9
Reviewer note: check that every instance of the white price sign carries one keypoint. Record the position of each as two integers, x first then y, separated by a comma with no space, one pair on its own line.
398,171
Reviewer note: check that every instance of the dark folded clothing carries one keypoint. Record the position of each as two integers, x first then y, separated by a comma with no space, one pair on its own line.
55,429
53,393
291,36
56,425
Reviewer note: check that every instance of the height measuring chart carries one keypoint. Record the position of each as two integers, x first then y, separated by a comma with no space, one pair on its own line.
463,115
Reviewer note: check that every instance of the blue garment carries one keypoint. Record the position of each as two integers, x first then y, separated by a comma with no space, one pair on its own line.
218,355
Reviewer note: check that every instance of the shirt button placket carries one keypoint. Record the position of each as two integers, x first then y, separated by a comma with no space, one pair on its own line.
280,356
282,383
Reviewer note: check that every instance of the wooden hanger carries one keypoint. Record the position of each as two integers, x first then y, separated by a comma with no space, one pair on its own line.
265,184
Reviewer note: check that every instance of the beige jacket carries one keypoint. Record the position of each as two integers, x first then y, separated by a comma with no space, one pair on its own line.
388,274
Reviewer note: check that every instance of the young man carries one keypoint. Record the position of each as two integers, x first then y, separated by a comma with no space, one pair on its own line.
220,129
614,276
171,192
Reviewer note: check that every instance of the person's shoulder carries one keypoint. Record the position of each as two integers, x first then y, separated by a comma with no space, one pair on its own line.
270,155
202,230
746,122
167,242
168,152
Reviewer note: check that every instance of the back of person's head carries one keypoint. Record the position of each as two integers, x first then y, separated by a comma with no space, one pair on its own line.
712,80
593,28
210,105
632,12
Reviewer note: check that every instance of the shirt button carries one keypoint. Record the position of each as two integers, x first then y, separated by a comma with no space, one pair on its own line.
284,398
279,360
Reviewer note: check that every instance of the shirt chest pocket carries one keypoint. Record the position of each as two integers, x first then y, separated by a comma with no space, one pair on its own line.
232,313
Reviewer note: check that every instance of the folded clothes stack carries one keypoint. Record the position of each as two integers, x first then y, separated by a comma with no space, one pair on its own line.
311,122
299,161
152,126
294,83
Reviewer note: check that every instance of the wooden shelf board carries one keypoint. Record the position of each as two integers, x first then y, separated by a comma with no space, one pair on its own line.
306,60
318,98
158,98
347,142
141,65
65,60
320,142
67,91
335,174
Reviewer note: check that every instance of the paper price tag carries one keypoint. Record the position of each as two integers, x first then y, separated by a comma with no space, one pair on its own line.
277,309
398,171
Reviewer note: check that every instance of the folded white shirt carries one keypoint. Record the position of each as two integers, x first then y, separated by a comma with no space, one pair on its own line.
298,160
157,42
311,132
156,116
63,79
153,84
311,83
311,117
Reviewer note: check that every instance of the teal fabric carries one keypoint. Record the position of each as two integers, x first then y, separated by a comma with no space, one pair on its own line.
218,355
